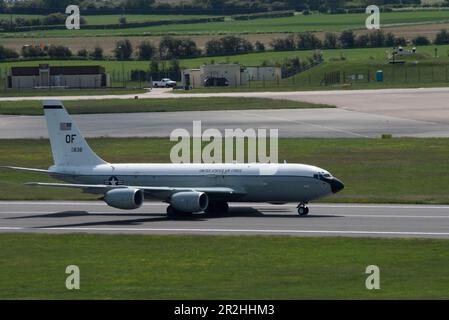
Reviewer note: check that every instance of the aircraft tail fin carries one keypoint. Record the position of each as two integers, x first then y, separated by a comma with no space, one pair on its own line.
68,146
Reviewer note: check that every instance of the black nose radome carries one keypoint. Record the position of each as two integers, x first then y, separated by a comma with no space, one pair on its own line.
336,185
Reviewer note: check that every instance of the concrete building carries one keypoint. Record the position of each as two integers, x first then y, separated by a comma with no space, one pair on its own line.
191,78
235,74
46,76
264,73
231,72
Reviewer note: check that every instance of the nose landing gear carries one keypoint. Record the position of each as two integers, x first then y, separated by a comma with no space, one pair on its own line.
303,210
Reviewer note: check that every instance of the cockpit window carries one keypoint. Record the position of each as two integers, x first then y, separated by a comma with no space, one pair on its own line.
323,175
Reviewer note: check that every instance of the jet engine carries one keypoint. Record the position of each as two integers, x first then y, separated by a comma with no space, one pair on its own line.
124,198
189,201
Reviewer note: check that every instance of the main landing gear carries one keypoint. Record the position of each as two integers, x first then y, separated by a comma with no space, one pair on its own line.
217,207
173,213
303,210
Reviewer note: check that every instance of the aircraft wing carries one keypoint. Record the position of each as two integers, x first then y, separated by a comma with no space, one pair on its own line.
103,188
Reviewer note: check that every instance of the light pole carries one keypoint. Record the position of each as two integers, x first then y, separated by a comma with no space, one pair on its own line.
123,65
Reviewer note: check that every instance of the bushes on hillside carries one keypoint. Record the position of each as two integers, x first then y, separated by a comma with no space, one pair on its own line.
442,37
283,44
146,50
346,40
308,40
292,66
264,15
7,53
420,41
59,52
330,41
34,51
172,48
228,45
97,53
24,24
259,46
123,49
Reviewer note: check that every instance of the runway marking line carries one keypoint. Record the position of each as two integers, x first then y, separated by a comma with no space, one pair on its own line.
412,233
292,214
262,205
303,123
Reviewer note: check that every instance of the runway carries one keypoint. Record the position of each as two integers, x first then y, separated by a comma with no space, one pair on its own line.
345,220
360,113
317,123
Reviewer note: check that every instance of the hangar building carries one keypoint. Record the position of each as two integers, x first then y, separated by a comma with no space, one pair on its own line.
46,76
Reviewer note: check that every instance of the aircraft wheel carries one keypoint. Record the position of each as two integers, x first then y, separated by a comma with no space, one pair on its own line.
173,213
223,207
217,207
303,210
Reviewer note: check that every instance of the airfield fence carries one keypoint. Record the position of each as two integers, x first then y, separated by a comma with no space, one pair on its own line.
394,75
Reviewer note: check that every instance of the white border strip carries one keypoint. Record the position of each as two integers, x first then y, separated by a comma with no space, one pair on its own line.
195,230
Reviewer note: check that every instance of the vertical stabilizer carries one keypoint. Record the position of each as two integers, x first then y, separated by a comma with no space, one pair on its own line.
68,146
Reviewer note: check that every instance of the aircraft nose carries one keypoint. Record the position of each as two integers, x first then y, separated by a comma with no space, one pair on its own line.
336,185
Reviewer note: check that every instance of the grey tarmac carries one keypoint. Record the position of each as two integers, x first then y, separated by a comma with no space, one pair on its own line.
360,113
317,123
345,220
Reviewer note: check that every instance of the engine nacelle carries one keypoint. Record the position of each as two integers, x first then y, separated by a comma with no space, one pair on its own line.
126,199
189,201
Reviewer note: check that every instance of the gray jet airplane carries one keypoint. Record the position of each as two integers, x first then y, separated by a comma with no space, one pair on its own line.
187,188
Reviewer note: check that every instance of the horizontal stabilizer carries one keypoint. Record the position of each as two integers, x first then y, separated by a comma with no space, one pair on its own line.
29,169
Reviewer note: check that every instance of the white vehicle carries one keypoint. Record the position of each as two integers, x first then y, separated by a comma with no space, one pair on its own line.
187,188
164,83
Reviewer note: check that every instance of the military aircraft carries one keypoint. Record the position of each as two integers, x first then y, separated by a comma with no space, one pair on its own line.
187,188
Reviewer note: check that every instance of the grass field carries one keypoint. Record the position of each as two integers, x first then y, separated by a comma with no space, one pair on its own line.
368,55
69,92
156,105
297,23
422,70
209,267
373,170
431,73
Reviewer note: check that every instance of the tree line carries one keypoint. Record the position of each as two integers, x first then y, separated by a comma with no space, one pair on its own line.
209,6
48,20
174,48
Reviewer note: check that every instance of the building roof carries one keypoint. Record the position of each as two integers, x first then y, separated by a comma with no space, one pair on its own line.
58,70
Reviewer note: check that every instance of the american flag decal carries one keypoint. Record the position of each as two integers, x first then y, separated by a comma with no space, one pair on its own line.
65,126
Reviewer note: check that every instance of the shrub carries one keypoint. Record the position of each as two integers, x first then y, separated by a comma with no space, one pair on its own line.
97,53
283,44
7,53
146,50
421,41
228,45
59,52
171,48
308,41
83,53
442,37
123,49
259,46
34,51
